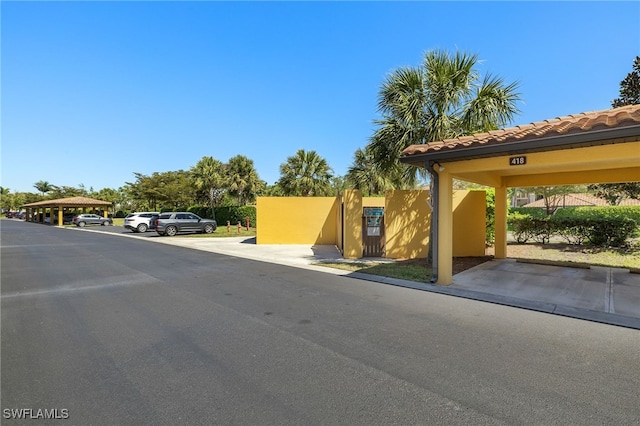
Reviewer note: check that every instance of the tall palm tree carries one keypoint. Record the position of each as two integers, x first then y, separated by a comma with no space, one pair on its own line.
43,186
443,98
305,174
208,175
364,174
242,178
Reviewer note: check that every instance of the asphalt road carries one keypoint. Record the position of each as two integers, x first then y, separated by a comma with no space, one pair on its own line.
112,330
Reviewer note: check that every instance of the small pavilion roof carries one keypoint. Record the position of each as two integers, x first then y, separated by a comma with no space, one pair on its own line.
70,202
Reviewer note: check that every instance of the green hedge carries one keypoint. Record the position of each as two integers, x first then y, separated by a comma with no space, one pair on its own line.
630,212
538,212
235,214
603,226
490,216
231,214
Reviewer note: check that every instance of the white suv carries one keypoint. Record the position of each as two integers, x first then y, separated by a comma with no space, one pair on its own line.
141,221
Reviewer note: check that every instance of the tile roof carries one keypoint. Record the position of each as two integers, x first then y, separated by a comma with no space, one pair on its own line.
575,200
577,123
71,201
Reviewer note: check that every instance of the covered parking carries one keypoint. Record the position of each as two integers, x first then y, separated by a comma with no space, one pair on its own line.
37,212
592,147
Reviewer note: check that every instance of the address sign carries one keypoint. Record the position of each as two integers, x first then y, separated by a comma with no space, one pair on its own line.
518,161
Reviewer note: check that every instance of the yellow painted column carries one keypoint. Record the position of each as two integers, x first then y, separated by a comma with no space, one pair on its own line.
352,224
60,216
501,223
445,229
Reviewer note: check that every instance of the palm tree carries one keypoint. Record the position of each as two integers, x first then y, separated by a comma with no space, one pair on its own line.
364,174
444,98
43,186
242,178
305,174
208,175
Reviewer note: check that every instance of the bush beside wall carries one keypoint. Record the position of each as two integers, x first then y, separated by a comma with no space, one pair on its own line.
603,226
232,214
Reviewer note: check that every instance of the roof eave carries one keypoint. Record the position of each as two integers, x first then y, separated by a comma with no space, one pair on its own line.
575,140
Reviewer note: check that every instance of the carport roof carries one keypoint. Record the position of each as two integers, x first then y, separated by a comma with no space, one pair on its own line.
70,202
584,129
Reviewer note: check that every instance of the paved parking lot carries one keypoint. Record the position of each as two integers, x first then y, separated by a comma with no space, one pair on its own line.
607,295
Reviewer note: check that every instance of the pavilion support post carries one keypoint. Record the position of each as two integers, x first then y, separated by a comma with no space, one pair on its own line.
501,223
60,216
445,228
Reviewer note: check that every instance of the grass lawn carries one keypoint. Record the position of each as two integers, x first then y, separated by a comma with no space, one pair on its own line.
628,257
411,270
223,232
555,254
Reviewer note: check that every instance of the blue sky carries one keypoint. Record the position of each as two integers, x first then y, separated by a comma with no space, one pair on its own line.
95,91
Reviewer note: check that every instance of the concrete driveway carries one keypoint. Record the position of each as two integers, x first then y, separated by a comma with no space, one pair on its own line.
606,295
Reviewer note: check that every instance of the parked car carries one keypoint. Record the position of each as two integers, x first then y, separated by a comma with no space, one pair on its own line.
172,223
91,219
141,221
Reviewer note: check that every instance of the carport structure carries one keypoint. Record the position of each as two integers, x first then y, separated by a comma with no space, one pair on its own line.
36,212
591,147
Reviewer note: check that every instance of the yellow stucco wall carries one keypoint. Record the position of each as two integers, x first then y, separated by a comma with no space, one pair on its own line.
318,220
469,223
407,221
297,220
352,224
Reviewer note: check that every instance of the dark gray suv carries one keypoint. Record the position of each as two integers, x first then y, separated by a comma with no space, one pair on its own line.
172,223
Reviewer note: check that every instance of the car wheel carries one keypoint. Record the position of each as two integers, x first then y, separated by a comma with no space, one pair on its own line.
106,223
81,224
171,231
208,229
142,228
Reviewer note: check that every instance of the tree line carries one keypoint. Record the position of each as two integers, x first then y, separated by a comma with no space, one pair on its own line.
443,97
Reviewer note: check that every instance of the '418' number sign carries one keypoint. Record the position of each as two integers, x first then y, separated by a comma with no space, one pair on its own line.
518,161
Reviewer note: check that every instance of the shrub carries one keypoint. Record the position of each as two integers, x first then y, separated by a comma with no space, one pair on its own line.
543,229
534,212
490,221
607,226
521,225
235,214
573,230
611,231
